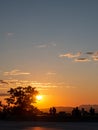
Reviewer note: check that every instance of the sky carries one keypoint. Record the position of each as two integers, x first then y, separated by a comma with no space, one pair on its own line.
51,45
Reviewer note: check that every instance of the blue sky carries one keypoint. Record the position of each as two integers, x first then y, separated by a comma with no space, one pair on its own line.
50,41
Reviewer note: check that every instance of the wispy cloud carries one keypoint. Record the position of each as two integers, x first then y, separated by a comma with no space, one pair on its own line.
10,34
70,87
15,72
70,55
3,82
51,73
44,44
25,83
38,85
52,44
81,60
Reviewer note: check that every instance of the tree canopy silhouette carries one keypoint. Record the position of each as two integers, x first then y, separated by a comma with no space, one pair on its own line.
22,97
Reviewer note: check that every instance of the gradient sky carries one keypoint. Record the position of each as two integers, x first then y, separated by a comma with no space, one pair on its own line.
53,46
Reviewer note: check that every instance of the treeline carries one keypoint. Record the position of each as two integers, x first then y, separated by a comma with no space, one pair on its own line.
20,106
76,115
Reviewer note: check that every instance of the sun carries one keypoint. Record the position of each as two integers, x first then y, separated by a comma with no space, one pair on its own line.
39,97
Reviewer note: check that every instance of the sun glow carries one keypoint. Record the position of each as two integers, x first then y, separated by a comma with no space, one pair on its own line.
39,97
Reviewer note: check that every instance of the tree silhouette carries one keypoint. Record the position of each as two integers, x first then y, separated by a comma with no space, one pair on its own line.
76,112
22,98
92,111
52,111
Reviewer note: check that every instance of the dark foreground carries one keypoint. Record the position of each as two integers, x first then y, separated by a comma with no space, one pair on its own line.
29,125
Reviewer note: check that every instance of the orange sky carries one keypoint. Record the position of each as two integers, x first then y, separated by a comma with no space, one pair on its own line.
53,46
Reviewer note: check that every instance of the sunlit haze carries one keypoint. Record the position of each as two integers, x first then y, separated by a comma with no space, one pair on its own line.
51,45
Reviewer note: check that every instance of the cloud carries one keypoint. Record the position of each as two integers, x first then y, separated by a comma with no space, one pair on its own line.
3,82
53,44
41,46
70,55
38,85
15,73
70,87
95,58
81,56
51,73
44,45
81,60
89,53
10,34
96,54
25,83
